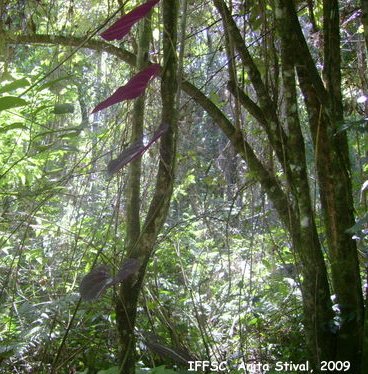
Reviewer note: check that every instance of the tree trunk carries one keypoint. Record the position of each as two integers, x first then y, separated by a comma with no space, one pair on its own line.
337,207
140,243
126,302
317,303
333,169
364,6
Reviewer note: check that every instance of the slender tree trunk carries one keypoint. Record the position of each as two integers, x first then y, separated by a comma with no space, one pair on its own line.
126,302
364,6
140,242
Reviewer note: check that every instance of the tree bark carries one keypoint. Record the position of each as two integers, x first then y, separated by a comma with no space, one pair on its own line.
333,171
316,293
364,6
126,302
140,243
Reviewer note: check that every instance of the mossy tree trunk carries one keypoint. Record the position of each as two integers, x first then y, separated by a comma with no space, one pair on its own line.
127,299
140,241
318,313
324,105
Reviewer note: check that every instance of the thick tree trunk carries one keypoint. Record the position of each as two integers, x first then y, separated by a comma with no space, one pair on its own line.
337,206
333,170
318,314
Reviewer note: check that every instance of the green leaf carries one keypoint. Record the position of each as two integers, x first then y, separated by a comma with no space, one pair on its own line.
68,148
7,351
15,125
359,225
85,371
253,321
215,98
9,102
43,147
360,125
14,85
52,83
41,108
112,370
63,108
162,370
70,134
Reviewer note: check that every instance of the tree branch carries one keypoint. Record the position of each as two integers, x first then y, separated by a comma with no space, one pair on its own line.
268,182
71,41
275,133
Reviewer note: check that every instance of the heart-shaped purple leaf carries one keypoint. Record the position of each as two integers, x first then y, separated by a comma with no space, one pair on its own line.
134,88
132,152
122,26
129,267
95,283
126,156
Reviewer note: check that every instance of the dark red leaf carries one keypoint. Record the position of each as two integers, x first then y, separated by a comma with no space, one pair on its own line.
134,88
129,267
177,355
95,282
122,26
160,131
125,157
135,150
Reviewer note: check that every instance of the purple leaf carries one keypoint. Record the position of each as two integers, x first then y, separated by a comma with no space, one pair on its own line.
134,88
178,356
129,267
95,283
125,157
135,150
160,131
122,26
